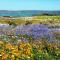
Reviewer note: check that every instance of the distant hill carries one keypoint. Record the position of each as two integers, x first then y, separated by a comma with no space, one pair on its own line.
27,13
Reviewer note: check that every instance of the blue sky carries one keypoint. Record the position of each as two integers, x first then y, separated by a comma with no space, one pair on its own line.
29,4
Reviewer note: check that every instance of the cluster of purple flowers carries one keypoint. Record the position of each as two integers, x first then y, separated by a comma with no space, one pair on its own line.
34,30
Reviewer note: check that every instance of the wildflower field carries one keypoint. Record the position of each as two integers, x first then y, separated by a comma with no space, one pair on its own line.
36,39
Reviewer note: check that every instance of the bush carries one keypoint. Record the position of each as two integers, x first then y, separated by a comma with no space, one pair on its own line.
28,22
11,23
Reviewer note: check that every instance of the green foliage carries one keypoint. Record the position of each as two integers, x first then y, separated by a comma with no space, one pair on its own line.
45,14
11,23
28,22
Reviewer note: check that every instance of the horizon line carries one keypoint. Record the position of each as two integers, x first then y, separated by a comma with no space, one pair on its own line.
27,10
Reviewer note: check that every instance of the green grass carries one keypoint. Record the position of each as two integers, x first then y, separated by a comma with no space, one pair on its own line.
35,20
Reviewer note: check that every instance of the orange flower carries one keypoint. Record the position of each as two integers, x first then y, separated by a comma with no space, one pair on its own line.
9,46
4,56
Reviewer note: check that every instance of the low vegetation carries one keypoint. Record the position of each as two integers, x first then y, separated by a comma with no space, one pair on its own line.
24,47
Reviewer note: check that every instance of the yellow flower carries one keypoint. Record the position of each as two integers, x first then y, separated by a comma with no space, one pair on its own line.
1,42
4,56
2,52
15,52
9,46
27,51
21,45
12,57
